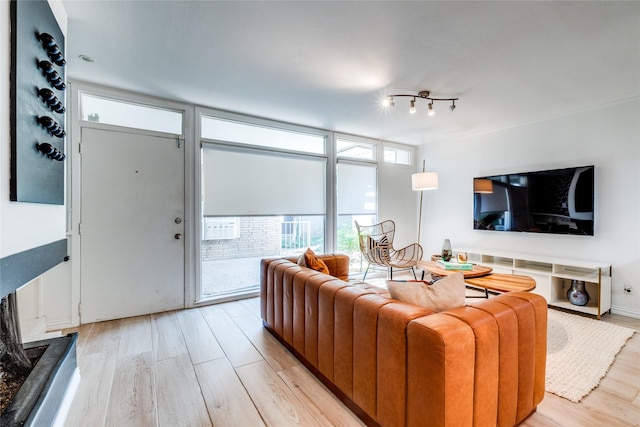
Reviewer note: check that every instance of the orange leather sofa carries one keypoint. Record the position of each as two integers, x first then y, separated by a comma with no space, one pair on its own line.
397,364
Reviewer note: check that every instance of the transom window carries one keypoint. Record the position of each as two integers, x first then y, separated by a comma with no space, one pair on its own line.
263,136
397,155
122,113
355,149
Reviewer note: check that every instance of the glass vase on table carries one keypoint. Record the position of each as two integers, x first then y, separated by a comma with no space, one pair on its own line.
446,250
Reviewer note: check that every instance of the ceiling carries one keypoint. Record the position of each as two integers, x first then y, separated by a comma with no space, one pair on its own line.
328,64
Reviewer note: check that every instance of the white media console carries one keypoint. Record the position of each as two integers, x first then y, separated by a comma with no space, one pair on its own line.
553,277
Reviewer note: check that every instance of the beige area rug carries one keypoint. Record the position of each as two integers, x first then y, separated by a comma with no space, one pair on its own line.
580,351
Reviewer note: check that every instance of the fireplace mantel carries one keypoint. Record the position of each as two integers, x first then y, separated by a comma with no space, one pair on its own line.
19,269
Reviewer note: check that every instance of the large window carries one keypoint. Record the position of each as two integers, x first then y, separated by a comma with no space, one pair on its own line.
262,196
271,189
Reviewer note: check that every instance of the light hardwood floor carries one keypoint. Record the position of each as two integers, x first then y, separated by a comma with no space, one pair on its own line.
216,365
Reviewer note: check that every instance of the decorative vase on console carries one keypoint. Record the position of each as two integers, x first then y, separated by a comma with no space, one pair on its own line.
446,250
577,294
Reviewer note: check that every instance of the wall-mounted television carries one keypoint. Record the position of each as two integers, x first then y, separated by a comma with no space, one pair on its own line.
558,201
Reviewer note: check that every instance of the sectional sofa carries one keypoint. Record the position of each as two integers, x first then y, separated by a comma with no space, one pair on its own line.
395,363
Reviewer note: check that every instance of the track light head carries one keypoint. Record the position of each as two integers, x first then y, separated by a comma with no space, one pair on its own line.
412,108
430,110
388,102
452,106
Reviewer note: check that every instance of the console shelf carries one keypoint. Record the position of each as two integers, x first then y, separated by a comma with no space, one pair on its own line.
553,277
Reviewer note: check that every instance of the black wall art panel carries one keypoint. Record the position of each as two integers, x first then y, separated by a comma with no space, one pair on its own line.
37,104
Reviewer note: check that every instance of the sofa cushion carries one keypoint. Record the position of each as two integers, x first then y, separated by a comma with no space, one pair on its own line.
372,288
310,259
443,294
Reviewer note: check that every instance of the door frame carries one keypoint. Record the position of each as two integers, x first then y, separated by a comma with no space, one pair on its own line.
74,184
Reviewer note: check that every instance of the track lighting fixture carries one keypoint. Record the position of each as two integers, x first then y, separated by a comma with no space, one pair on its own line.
425,94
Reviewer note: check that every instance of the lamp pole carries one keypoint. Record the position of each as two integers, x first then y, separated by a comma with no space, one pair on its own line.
420,214
421,181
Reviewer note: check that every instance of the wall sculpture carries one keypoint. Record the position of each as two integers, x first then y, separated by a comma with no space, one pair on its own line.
37,104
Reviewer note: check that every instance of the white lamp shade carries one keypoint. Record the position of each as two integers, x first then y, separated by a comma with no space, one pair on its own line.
484,186
424,181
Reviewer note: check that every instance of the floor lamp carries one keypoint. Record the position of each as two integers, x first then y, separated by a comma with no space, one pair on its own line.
422,181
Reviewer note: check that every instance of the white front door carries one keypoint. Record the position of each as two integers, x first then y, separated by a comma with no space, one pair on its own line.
132,224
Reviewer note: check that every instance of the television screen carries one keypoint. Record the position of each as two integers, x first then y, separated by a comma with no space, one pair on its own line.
559,201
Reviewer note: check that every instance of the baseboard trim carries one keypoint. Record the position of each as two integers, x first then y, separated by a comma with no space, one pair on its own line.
624,311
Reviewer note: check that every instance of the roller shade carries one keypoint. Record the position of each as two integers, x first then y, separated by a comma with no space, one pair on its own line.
357,189
237,183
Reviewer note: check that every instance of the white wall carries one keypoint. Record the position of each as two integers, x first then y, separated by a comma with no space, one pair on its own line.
607,137
25,226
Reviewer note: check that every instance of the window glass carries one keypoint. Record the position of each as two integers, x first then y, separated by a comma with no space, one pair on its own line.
397,155
122,113
233,247
246,133
346,148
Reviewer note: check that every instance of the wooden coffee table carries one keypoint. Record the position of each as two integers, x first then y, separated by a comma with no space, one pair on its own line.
434,268
482,277
503,283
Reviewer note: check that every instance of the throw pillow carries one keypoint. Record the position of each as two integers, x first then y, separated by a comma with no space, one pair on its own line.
379,248
443,294
309,259
301,261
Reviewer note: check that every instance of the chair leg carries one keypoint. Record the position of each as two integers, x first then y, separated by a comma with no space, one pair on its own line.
390,273
365,272
414,273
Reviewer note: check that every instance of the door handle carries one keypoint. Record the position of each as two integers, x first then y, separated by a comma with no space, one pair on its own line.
178,236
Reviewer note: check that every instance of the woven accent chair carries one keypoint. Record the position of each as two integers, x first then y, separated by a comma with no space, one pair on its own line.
376,245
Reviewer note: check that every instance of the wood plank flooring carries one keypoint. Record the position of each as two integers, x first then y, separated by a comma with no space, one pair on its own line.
217,366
